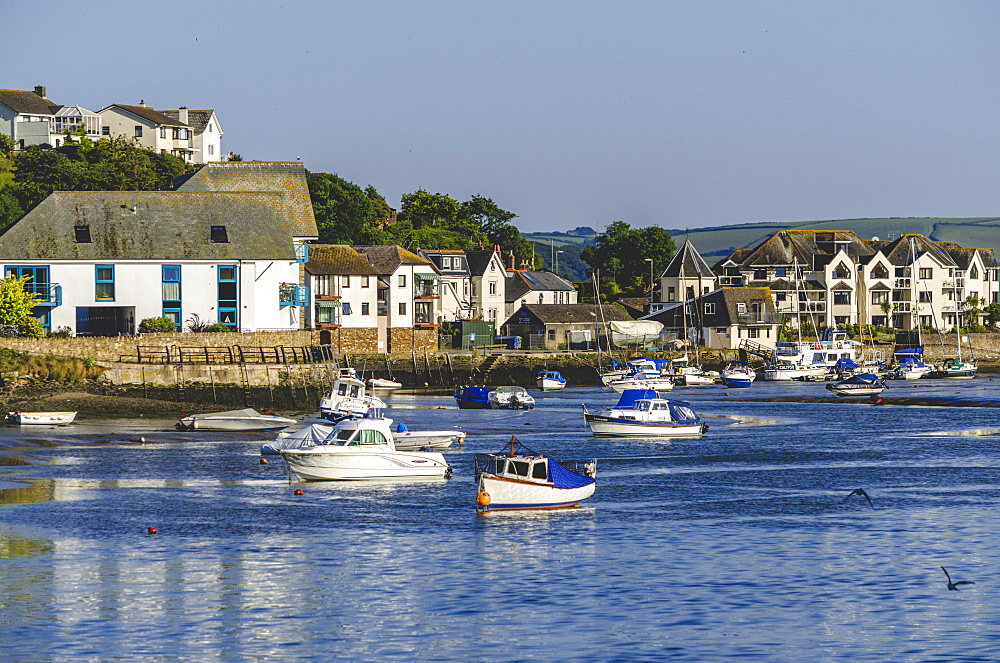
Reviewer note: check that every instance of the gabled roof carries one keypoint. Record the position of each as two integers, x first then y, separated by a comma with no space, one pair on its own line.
902,251
148,114
166,225
386,259
435,255
786,247
337,259
522,282
726,309
687,263
24,101
197,119
288,178
479,261
549,314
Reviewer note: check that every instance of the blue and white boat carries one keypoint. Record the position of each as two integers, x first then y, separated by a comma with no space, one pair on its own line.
641,413
519,478
550,380
909,364
473,398
738,374
862,384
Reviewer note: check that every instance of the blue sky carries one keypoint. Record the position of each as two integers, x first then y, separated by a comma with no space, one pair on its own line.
679,114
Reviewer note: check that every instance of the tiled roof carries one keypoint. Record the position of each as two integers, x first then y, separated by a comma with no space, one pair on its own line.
572,313
288,178
388,257
688,263
524,281
337,259
23,101
150,115
164,226
787,247
197,119
479,261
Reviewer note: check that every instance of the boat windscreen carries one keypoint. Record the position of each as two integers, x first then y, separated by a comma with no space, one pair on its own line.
563,478
683,414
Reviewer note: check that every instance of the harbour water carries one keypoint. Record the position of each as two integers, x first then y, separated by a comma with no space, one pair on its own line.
742,544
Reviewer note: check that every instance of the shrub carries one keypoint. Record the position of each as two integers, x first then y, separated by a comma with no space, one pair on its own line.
61,332
153,325
31,327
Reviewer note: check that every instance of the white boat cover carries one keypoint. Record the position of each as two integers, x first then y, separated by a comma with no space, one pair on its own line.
636,327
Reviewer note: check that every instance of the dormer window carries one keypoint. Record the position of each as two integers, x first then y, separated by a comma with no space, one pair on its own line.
219,235
82,234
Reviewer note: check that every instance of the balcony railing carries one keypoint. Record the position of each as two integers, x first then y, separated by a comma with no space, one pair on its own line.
47,294
763,318
302,252
293,294
901,283
812,307
731,280
953,283
425,286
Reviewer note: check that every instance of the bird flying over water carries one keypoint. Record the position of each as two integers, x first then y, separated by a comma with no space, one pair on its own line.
861,491
954,585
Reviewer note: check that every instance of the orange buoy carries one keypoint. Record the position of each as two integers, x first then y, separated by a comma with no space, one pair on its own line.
299,491
483,498
263,461
726,394
151,530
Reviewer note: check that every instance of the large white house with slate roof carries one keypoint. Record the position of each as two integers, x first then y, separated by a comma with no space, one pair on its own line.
151,129
102,261
527,286
207,132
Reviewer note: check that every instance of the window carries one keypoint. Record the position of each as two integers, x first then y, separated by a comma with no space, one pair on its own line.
781,271
163,132
741,307
538,470
211,149
82,234
219,235
780,296
753,332
924,297
974,272
345,281
138,131
552,334
171,293
900,272
709,308
364,308
880,296
493,287
446,262
326,313
760,275
105,283
402,280
926,272
473,288
364,281
228,301
841,296
671,294
402,308
105,131
347,308
880,272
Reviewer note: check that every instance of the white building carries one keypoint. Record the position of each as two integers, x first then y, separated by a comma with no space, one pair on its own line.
207,140
31,119
527,286
408,298
151,129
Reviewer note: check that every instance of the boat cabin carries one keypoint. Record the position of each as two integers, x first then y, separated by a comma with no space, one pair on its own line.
532,468
351,434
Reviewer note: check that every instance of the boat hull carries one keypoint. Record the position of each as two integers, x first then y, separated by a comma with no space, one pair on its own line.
547,384
654,385
776,375
858,392
508,494
737,382
602,426
434,439
41,418
319,464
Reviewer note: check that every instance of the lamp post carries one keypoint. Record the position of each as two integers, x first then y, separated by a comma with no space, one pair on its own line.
557,262
650,261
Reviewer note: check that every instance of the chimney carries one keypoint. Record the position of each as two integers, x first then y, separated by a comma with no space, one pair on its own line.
40,91
510,261
525,265
182,114
142,103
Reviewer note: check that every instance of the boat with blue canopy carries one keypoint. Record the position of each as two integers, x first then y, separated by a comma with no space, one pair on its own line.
550,380
519,478
909,364
642,415
862,384
473,398
738,374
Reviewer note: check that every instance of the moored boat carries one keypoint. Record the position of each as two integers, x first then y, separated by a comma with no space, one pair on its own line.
41,418
862,384
642,380
473,398
511,398
347,397
359,449
954,368
384,383
638,414
315,432
550,380
247,419
738,374
518,478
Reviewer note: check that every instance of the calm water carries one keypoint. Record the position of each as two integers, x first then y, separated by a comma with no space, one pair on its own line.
735,545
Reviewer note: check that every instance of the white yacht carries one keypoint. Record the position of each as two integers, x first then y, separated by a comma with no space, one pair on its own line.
647,417
347,397
511,398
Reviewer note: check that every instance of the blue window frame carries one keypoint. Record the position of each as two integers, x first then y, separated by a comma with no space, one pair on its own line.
171,293
228,297
104,278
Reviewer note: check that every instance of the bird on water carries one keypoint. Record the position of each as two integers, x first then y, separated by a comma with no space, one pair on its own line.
862,493
954,585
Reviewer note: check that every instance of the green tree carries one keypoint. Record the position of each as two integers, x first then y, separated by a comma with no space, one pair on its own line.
381,210
993,313
344,213
620,255
16,304
423,209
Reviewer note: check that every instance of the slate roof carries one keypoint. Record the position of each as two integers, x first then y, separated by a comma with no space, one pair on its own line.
24,101
148,114
524,281
688,263
288,178
197,119
900,252
554,314
165,226
435,255
337,259
726,302
479,261
786,247
387,258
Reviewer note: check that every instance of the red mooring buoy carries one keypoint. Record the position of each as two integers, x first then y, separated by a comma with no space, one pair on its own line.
727,393
151,530
263,461
299,491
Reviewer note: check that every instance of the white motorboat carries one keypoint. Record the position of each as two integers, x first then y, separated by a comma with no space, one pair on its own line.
236,420
738,374
811,360
642,381
862,384
41,418
316,431
384,383
634,365
359,449
909,364
690,376
645,417
519,478
347,397
550,380
511,398
783,370
406,439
